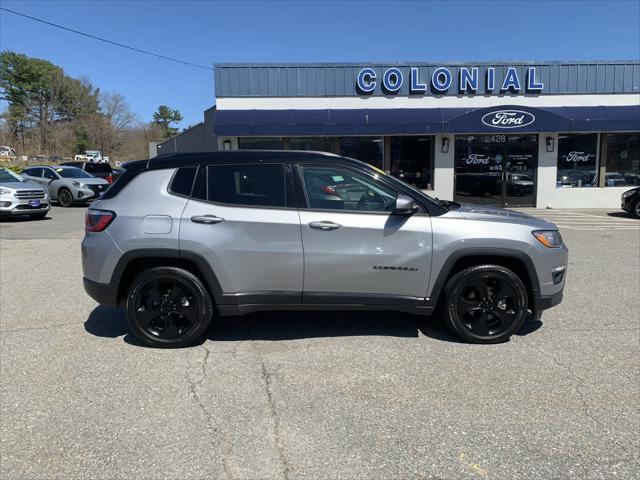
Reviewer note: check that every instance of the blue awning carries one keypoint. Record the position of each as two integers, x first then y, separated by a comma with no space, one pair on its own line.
412,121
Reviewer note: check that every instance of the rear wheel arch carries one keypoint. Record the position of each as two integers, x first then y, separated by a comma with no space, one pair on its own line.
515,260
135,261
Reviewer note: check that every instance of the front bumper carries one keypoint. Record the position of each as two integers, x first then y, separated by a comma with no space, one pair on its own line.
10,206
548,301
85,195
626,204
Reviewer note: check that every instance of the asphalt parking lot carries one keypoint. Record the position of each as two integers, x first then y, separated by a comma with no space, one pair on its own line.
321,395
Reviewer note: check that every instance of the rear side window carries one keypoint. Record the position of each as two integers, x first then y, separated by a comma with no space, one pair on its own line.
261,185
182,181
33,172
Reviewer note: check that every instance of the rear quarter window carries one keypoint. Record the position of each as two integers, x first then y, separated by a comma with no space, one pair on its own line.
182,181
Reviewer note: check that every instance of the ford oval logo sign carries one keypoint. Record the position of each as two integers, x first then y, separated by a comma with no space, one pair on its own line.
508,119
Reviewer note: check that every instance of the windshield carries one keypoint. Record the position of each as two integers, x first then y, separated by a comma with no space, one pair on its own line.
7,176
72,172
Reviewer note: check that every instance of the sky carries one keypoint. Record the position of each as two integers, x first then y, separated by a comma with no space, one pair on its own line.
303,31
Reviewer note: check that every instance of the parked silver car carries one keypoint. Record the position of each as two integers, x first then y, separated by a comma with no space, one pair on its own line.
21,197
67,185
181,238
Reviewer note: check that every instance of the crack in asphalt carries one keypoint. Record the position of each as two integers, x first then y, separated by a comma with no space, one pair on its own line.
577,387
266,376
46,327
211,424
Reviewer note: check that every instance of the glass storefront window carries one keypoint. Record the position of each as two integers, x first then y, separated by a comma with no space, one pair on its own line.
412,160
260,143
577,160
623,159
366,149
318,144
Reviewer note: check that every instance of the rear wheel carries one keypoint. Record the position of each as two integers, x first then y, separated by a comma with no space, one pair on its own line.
65,199
485,304
168,307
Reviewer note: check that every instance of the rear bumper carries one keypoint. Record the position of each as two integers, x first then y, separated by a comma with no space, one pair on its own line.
103,293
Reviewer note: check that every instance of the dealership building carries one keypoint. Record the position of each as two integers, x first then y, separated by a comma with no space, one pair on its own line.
552,134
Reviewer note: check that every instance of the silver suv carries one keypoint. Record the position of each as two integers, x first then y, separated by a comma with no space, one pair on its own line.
183,238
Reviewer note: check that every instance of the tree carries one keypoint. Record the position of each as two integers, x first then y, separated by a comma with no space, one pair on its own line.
40,95
164,117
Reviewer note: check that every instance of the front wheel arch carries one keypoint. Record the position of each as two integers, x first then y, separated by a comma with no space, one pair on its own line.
515,260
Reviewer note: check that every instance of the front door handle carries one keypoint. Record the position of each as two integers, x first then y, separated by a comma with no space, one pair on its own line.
208,219
324,225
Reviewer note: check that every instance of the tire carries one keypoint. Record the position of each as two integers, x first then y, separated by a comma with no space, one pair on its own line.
485,304
168,307
65,198
635,209
38,216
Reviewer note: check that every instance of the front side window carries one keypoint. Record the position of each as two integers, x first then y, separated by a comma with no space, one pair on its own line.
623,159
253,185
334,188
577,160
412,160
49,174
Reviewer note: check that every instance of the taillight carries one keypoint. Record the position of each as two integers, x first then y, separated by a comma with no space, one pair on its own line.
98,220
110,178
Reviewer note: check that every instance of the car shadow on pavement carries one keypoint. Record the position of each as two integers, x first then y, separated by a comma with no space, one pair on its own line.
620,214
276,326
22,218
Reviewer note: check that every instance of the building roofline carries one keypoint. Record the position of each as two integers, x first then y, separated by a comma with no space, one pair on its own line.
422,63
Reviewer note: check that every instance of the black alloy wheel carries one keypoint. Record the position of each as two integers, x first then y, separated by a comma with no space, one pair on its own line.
65,199
636,209
486,304
168,307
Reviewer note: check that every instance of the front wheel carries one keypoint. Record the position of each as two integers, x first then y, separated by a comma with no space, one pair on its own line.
168,307
65,199
635,209
485,304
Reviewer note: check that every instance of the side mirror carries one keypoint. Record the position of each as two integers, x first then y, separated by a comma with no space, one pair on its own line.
404,205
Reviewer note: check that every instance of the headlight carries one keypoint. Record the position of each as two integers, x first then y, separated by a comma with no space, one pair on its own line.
4,191
628,193
549,238
77,184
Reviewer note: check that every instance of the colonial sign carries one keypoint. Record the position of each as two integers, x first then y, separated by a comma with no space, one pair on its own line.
441,80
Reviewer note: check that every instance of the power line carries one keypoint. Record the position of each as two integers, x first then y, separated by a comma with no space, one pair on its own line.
138,50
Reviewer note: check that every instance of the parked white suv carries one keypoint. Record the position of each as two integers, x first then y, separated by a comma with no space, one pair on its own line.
20,197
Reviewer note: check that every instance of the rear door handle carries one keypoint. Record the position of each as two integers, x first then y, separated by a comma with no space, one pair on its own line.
324,225
208,219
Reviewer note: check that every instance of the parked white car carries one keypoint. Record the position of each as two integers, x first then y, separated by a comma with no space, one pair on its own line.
6,152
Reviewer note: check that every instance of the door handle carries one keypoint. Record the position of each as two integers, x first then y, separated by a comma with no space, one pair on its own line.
324,225
208,219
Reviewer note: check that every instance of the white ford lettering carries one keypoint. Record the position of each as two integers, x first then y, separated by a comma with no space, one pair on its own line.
508,119
577,157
